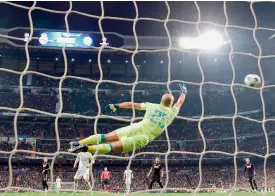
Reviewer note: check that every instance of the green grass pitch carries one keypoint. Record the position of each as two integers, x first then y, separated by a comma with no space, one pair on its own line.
140,194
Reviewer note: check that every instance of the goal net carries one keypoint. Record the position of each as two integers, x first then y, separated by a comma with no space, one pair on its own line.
45,103
64,187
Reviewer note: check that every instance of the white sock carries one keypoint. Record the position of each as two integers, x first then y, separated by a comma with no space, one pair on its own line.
128,188
89,184
75,185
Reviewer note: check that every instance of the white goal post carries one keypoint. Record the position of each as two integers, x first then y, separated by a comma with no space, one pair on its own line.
65,187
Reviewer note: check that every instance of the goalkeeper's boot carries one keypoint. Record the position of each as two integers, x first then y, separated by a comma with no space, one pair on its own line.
73,145
80,148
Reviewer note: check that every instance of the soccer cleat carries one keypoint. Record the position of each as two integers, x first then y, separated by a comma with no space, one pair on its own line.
78,149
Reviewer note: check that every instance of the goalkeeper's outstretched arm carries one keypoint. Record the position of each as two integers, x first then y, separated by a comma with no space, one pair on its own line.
130,105
138,106
124,105
181,99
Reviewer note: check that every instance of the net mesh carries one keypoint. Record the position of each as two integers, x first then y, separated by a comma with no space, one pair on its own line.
134,84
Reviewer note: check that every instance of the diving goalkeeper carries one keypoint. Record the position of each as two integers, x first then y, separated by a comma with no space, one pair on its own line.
136,135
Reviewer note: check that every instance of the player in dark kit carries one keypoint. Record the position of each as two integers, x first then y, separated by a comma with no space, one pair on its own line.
157,173
45,171
249,172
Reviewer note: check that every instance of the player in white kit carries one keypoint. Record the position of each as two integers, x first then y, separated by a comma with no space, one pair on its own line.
128,176
58,184
85,159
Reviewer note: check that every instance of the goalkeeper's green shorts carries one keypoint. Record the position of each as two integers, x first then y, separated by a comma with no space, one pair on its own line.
132,137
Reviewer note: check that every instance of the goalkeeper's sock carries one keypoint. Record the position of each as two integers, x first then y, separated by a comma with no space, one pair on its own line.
102,148
93,139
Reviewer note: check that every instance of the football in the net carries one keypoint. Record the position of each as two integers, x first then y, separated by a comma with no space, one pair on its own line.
252,80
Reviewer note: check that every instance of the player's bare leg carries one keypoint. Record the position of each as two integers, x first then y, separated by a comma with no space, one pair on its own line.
57,189
75,185
89,184
128,187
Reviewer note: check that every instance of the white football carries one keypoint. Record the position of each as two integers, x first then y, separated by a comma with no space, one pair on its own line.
252,80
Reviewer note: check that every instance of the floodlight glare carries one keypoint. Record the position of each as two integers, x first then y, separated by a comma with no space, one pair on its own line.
186,43
210,40
207,41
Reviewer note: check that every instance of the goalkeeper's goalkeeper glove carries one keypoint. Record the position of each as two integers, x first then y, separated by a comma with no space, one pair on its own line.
183,88
112,108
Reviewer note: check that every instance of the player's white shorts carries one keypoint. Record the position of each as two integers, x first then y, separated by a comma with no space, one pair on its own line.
58,186
127,182
82,173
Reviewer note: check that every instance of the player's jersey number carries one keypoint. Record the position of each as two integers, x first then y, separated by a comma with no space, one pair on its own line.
158,118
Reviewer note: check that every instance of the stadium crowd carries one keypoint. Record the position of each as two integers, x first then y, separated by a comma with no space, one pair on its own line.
219,136
79,96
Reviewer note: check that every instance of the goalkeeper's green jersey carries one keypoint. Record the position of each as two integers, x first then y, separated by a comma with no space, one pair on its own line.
157,118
